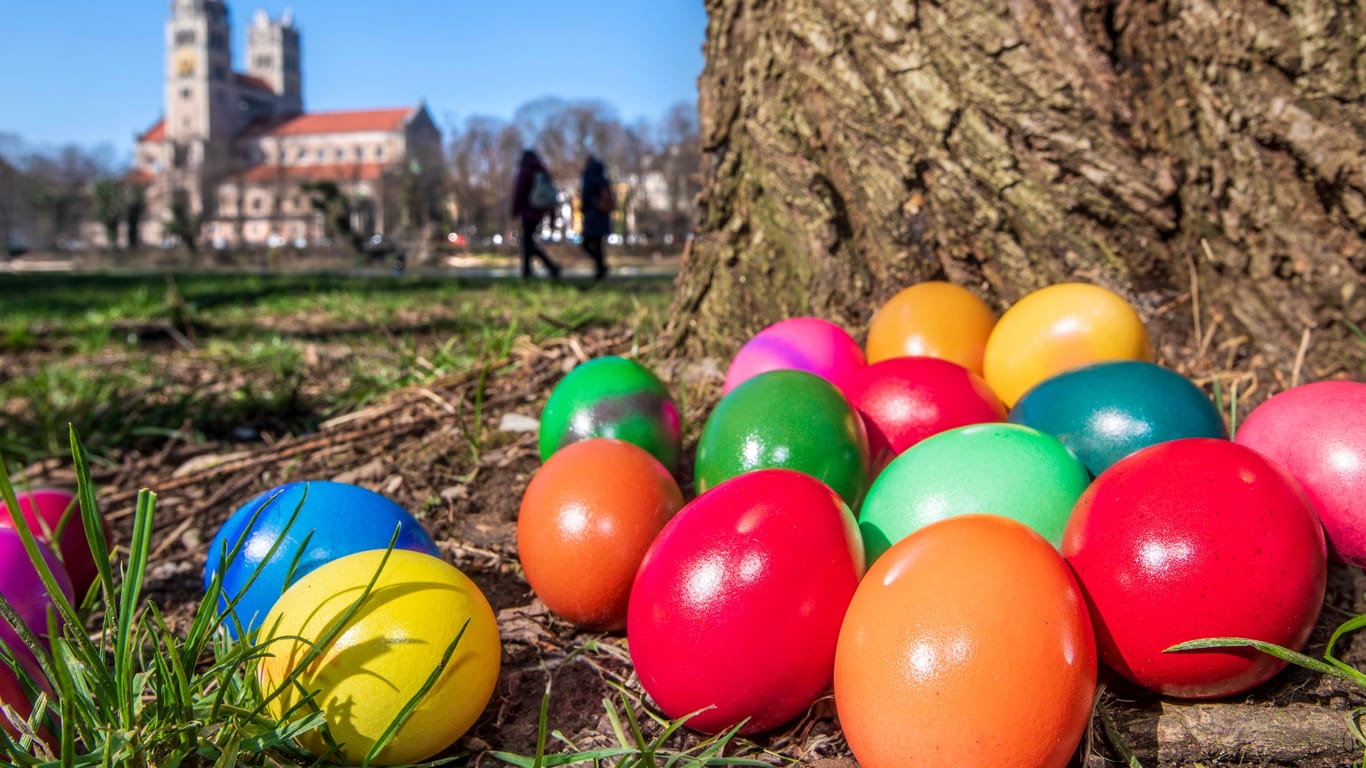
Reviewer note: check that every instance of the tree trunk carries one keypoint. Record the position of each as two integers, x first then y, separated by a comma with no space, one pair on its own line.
854,147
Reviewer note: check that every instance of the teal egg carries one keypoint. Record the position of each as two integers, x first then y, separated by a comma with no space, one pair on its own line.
1106,411
785,419
612,397
1000,469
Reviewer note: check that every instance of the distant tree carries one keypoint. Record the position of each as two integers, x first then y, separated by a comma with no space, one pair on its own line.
665,158
327,198
183,225
680,163
135,205
109,207
59,190
483,161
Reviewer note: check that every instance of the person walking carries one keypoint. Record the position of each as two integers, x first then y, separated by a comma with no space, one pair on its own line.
529,203
596,203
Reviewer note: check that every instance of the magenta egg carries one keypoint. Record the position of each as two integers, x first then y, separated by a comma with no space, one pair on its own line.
1190,539
23,588
737,605
1318,432
54,515
904,400
801,343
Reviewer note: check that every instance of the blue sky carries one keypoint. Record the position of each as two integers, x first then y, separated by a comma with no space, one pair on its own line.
90,71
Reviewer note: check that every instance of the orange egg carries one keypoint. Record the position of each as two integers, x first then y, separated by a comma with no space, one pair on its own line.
587,517
967,643
932,319
1058,328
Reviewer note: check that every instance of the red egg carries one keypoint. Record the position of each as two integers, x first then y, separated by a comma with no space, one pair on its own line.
12,692
587,517
1318,432
904,400
738,603
1190,539
44,510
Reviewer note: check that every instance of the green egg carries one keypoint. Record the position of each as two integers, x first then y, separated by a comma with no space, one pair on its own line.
785,419
999,469
612,397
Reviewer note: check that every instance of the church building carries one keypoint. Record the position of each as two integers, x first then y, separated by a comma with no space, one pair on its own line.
235,148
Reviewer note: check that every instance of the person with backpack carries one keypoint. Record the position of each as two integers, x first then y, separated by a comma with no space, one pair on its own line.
596,203
533,196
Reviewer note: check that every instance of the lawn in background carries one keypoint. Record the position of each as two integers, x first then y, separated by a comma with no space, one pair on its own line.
136,358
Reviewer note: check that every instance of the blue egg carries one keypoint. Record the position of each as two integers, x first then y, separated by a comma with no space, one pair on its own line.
332,520
1106,411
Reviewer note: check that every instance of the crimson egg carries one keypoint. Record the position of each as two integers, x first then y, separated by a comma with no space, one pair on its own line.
1191,539
904,400
737,605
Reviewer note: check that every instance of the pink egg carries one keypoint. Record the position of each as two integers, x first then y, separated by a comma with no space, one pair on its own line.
1318,433
44,511
800,343
23,588
904,400
737,605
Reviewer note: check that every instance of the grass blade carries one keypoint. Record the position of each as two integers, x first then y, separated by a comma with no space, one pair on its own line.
1271,649
416,698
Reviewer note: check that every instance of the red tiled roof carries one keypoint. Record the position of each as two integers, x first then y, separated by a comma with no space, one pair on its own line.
265,173
140,176
155,133
356,121
252,81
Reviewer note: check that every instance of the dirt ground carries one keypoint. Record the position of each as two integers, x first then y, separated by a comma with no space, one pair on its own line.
411,447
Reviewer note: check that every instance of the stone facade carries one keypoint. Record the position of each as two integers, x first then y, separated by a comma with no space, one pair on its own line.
234,148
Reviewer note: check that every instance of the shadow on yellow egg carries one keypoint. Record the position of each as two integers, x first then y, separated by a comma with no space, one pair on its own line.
383,655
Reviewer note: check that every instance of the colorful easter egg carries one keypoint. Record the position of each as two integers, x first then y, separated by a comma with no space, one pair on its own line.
1106,411
1058,328
380,658
1191,539
904,400
999,469
932,319
802,344
23,587
785,419
1318,433
948,633
737,604
55,515
587,517
612,397
281,535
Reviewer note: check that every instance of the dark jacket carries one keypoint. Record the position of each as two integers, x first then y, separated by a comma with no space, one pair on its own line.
595,196
521,189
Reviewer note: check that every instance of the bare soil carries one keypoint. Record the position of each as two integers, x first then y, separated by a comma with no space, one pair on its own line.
411,447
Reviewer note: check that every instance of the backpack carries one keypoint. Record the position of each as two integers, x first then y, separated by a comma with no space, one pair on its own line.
604,202
543,192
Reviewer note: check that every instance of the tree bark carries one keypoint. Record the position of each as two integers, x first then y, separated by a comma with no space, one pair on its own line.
854,147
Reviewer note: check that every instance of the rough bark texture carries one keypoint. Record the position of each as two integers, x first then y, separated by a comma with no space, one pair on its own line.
858,146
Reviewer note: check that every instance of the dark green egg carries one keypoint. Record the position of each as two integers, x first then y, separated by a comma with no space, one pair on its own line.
785,419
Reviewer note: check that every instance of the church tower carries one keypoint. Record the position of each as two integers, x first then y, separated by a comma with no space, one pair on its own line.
199,91
273,56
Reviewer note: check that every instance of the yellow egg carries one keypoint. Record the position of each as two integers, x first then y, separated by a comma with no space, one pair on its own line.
1056,329
384,654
